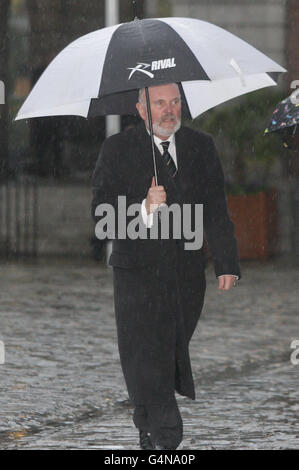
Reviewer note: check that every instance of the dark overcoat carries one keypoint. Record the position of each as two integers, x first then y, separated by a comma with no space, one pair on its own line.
159,286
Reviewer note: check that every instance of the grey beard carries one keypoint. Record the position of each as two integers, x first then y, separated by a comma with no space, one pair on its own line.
164,132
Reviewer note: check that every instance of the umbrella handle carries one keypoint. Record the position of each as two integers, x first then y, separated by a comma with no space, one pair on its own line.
150,124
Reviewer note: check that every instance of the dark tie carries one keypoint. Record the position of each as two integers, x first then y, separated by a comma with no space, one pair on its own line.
168,159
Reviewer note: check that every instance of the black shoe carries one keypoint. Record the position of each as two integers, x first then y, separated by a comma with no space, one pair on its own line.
145,441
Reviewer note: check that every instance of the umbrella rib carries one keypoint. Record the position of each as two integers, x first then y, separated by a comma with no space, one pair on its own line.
151,132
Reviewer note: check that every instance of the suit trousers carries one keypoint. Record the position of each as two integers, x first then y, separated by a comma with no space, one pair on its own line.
146,302
162,421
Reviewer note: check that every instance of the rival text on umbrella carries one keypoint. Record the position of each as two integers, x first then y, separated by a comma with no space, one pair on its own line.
155,65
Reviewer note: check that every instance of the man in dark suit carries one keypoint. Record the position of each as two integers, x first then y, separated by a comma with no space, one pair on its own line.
159,285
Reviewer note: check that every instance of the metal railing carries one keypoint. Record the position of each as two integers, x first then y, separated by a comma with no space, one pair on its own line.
19,218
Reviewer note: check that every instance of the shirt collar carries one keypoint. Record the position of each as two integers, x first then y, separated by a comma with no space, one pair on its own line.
158,141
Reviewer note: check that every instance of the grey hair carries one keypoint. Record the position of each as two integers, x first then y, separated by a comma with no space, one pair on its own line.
140,95
142,91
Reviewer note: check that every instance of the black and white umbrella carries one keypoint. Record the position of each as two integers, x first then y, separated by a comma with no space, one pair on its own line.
100,73
86,77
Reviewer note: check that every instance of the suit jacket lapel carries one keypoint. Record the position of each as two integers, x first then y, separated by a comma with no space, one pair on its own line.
145,145
186,153
182,149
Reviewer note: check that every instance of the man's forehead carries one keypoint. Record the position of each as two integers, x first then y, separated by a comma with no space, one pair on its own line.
164,91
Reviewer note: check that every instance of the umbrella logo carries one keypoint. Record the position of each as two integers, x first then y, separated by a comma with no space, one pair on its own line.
141,67
155,65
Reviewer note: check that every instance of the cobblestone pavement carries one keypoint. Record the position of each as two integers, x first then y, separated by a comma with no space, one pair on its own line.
62,386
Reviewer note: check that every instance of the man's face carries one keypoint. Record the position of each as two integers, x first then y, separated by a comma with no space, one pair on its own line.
165,109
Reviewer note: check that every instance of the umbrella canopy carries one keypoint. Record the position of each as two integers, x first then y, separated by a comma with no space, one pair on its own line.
285,120
100,73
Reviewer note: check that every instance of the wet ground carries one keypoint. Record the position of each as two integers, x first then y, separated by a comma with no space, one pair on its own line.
62,386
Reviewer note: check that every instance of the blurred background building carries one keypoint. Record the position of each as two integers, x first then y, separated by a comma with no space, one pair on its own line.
46,163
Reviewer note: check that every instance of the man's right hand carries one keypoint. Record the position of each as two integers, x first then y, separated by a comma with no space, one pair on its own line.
156,196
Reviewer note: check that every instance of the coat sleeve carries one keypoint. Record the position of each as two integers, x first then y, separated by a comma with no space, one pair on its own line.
108,187
104,180
219,229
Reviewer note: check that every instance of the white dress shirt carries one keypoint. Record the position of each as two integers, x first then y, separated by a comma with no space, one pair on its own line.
148,218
